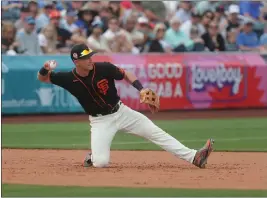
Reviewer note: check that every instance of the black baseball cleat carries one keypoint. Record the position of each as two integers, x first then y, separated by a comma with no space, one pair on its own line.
202,154
87,161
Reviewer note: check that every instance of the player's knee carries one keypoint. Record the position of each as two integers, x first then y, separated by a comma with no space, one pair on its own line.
100,161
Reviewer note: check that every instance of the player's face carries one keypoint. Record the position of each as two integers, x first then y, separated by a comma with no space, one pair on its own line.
85,64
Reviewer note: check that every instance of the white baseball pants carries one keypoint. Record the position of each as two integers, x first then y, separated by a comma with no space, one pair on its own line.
104,128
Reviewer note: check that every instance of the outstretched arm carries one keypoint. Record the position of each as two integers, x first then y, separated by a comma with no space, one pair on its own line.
146,95
132,79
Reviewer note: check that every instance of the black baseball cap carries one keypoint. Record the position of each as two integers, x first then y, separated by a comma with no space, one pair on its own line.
81,51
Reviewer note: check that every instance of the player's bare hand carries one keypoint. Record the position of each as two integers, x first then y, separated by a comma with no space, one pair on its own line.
50,64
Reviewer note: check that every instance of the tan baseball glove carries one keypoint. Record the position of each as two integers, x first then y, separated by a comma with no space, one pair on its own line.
149,97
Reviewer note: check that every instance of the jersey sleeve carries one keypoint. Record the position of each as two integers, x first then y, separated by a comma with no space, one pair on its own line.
60,78
115,72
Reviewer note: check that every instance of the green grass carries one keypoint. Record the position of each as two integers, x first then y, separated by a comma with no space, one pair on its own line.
61,191
230,135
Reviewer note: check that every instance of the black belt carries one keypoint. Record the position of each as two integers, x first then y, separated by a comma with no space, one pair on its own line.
113,110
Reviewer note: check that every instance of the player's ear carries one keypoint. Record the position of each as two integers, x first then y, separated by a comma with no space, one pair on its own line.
75,62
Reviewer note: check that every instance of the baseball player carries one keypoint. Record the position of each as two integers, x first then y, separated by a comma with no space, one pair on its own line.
93,84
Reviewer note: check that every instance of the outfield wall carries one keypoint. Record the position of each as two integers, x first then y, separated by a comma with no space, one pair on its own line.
184,81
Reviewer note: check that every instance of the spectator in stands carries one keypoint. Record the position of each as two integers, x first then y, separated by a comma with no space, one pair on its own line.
247,40
43,19
10,10
250,9
263,38
48,39
59,5
127,4
194,21
138,20
33,7
158,44
65,38
213,39
155,12
233,20
28,39
85,18
220,18
125,45
207,17
136,36
113,29
74,5
96,41
68,22
203,6
126,7
198,43
143,24
138,7
105,14
231,41
171,8
24,12
184,11
115,8
264,12
147,29
117,38
95,6
135,8
8,43
177,39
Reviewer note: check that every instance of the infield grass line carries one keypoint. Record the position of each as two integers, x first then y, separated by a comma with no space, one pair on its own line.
16,190
148,142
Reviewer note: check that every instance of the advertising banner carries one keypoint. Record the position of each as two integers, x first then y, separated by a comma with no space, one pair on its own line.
183,81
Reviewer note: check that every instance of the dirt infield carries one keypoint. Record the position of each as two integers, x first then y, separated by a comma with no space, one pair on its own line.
135,169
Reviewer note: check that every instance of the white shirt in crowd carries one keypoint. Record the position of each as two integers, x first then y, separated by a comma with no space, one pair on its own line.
165,45
28,42
109,36
42,40
183,15
186,28
100,44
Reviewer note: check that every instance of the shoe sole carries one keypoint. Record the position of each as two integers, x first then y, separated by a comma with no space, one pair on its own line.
86,164
209,145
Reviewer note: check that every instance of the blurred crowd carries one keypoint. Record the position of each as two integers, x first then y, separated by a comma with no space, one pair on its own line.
53,27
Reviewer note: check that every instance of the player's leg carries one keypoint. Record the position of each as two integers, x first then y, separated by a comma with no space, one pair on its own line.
103,131
138,124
